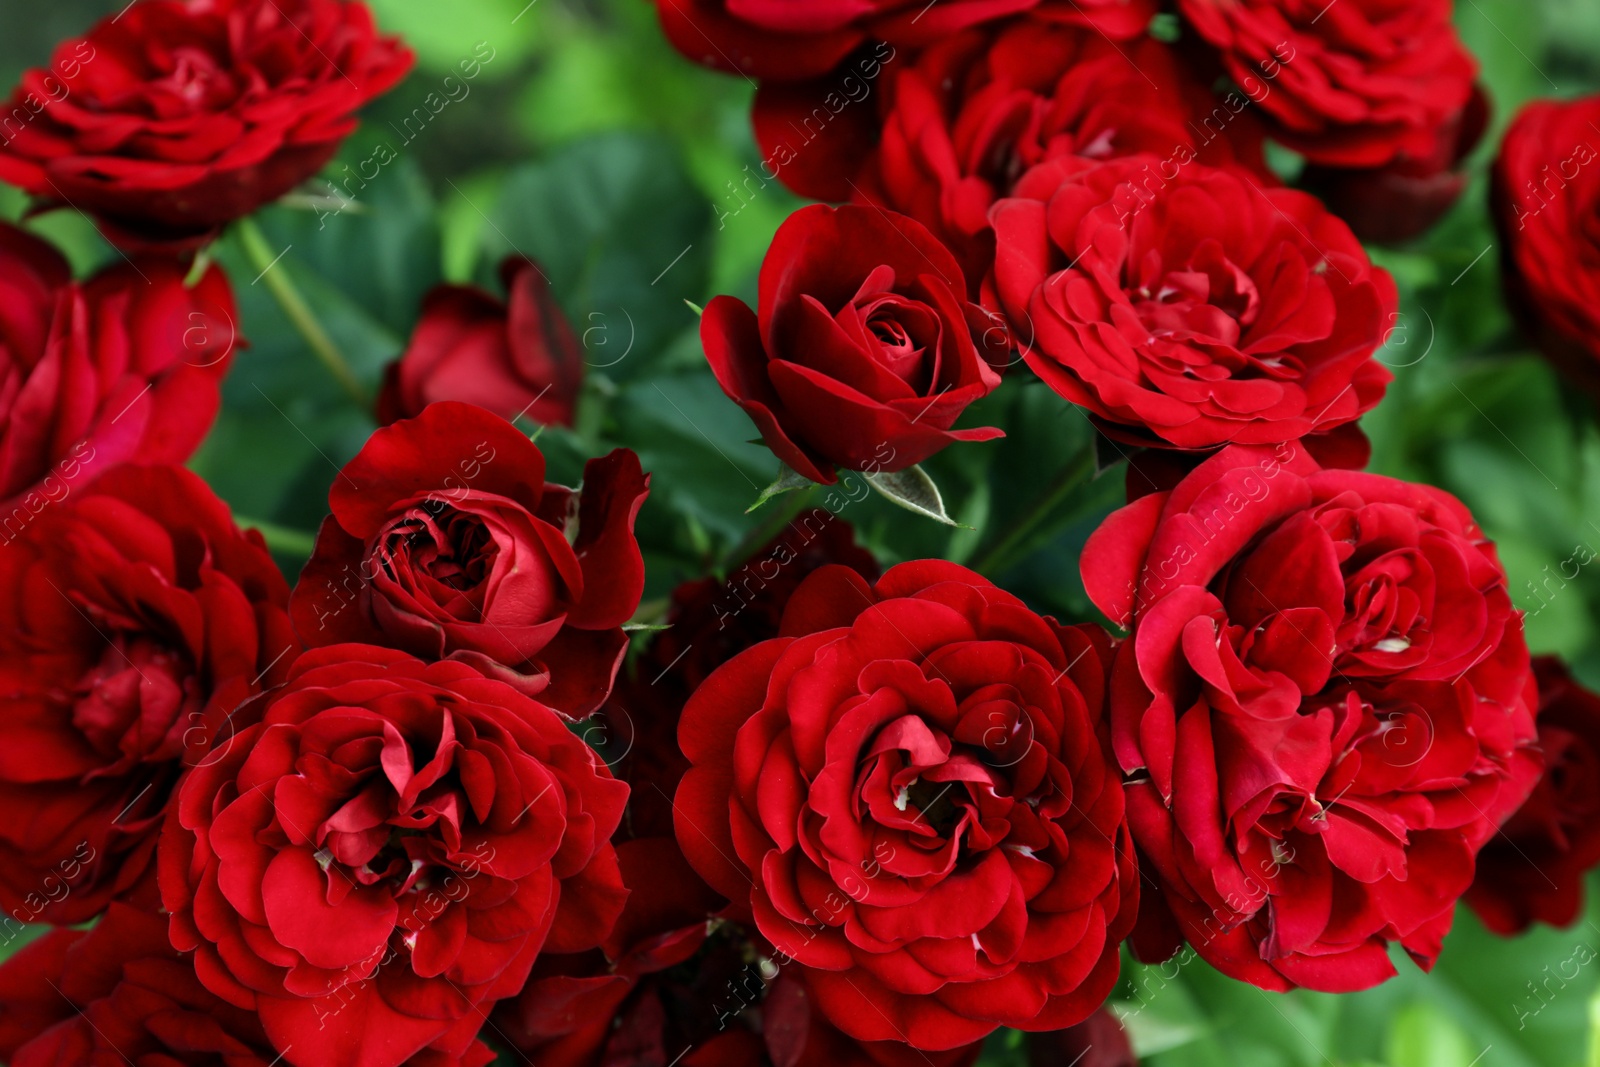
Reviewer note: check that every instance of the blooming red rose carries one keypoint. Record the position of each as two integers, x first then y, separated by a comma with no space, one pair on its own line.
385,853
789,40
710,621
123,368
1189,307
1534,869
1349,85
909,794
1546,197
446,541
173,118
864,350
964,119
134,619
516,356
1324,711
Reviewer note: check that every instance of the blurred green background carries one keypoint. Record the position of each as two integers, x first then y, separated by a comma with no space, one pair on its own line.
586,143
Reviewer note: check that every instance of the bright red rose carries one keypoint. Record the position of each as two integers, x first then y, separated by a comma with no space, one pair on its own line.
1189,307
864,351
963,120
446,541
1533,870
786,40
385,853
909,794
124,368
174,118
1354,84
1324,710
1546,203
711,620
515,357
134,619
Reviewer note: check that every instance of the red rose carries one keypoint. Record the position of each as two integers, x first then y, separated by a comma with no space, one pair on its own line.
173,118
445,541
1402,199
1353,85
1546,193
711,620
515,357
1098,1041
1190,307
1324,710
909,795
787,41
1533,870
864,351
974,112
134,618
385,853
123,368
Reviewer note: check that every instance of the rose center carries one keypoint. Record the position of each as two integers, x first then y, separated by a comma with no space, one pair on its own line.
136,701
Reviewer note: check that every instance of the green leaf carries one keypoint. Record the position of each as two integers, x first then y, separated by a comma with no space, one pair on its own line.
913,490
788,480
1422,1035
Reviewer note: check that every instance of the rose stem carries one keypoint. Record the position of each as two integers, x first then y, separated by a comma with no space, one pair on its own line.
280,539
295,307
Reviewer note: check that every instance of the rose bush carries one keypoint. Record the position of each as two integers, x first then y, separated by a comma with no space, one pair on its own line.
1325,710
135,618
446,541
181,117
863,351
1189,307
908,794
385,852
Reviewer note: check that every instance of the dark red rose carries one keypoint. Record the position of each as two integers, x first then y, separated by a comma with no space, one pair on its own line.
1098,1041
446,541
134,619
1403,198
1324,710
123,368
710,621
963,120
515,357
1533,870
864,351
171,119
787,41
910,796
385,853
1547,208
1351,85
1189,307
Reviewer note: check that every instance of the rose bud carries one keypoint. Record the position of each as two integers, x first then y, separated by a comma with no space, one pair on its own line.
135,618
385,853
1189,307
1546,194
124,368
515,357
1534,869
1323,712
171,119
1358,88
908,793
446,541
863,351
